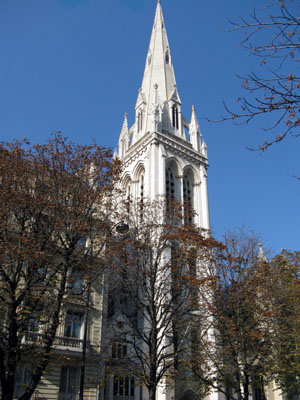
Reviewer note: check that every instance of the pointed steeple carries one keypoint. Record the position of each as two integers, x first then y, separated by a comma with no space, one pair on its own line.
159,67
124,137
158,72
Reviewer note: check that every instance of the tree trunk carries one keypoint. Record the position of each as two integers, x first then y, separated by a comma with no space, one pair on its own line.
152,392
49,339
246,386
9,379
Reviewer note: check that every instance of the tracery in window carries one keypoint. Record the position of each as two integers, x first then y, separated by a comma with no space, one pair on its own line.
188,197
170,183
141,182
127,192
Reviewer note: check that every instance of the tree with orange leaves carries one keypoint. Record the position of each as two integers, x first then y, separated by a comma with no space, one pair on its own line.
52,220
159,265
235,357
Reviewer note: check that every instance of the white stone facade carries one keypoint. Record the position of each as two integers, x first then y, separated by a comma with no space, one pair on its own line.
162,152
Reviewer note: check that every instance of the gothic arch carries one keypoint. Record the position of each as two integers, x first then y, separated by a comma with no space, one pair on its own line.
127,186
139,169
188,182
139,178
173,189
189,169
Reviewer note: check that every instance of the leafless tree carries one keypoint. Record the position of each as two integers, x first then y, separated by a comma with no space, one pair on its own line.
272,34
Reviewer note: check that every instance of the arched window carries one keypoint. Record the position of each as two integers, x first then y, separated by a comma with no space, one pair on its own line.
127,193
141,182
188,198
170,183
175,116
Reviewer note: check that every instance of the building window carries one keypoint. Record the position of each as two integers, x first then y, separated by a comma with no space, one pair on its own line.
119,350
123,386
175,116
187,199
141,196
170,184
33,325
140,121
167,57
68,386
128,196
73,324
23,378
75,281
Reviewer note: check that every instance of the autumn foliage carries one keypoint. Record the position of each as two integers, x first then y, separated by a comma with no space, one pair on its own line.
50,197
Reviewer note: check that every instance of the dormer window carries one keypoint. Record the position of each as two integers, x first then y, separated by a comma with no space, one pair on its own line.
175,116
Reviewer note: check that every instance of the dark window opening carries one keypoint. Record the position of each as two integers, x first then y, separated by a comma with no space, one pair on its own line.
118,350
124,386
170,184
73,324
175,116
68,385
141,196
167,58
140,121
187,200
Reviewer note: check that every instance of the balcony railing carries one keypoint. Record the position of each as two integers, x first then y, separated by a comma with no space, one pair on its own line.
37,338
68,342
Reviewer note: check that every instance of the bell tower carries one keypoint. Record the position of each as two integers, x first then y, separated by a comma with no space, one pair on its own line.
162,152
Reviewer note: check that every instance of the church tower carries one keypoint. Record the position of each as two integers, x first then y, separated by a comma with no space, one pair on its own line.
162,152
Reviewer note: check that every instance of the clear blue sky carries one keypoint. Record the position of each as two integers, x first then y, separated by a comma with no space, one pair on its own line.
76,66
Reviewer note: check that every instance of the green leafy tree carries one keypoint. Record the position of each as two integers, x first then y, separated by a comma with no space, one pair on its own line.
285,283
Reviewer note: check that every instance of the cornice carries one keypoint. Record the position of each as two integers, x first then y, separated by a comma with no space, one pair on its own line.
172,143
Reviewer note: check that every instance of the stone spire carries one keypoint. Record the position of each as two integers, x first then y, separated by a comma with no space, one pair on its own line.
195,134
158,71
124,140
159,68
